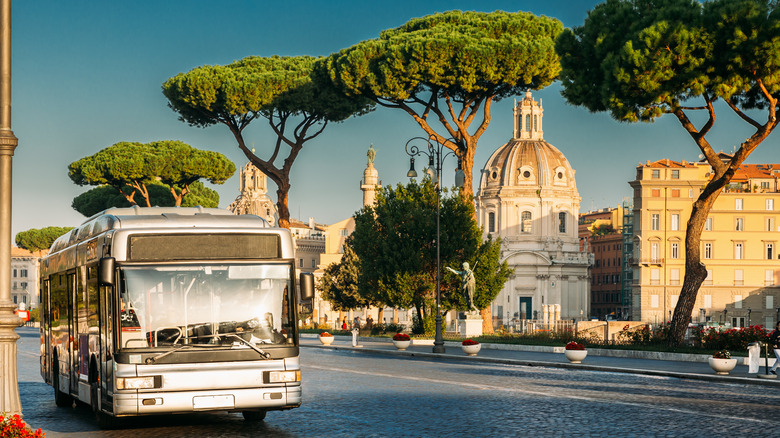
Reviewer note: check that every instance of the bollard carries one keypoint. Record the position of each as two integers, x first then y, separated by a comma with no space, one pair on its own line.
766,364
355,339
754,357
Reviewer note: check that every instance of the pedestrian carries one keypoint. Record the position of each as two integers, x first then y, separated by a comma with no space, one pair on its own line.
344,324
774,341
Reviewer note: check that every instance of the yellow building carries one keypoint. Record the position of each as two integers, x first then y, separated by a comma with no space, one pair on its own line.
739,244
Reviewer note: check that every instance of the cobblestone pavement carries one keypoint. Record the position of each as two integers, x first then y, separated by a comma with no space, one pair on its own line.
352,393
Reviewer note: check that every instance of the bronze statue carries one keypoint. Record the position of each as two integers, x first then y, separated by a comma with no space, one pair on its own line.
467,285
371,153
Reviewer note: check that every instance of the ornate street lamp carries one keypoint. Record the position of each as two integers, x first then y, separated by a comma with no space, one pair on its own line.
436,155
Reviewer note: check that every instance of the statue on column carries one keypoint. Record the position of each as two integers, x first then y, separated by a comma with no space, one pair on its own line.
371,154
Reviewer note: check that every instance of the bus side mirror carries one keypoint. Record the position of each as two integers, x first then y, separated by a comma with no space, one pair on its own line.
106,269
307,285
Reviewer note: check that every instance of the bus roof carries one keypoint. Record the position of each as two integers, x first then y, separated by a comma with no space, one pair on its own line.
157,217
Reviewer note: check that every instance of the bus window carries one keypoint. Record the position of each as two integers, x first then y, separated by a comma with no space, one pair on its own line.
210,305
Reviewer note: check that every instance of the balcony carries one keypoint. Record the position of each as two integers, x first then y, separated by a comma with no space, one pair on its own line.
652,261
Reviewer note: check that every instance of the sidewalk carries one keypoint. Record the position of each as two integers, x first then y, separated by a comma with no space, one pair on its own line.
683,366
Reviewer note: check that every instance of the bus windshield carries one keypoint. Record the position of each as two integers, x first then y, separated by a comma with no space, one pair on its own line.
164,306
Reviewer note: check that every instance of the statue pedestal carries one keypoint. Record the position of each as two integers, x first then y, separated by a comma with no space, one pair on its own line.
471,326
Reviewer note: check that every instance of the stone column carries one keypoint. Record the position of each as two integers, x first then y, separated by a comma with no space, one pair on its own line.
9,389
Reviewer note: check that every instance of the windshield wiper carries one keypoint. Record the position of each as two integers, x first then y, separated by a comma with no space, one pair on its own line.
265,354
151,360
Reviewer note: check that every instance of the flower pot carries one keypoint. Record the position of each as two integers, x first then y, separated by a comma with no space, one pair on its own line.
327,340
575,356
471,350
722,366
402,345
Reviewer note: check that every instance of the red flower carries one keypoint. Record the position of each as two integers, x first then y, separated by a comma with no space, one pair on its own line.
469,342
574,346
401,337
14,427
326,335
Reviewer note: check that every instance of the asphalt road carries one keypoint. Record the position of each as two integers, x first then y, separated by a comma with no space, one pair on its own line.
360,394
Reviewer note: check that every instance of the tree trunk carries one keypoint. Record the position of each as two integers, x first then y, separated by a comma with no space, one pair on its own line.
695,270
467,165
282,194
176,198
487,320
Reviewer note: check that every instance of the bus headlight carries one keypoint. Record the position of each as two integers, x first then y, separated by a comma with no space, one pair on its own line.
147,382
282,376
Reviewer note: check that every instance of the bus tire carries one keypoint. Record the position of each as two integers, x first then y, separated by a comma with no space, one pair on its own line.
61,399
253,415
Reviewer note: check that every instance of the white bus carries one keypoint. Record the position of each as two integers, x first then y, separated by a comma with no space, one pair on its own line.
172,310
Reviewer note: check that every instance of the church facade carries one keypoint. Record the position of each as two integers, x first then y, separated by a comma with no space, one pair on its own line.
528,197
254,198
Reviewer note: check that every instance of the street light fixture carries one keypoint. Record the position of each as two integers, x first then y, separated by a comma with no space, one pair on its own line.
431,148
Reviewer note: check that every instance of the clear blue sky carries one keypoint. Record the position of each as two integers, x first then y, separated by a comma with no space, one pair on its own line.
87,74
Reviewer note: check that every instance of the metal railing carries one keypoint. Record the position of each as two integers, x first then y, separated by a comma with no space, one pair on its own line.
528,326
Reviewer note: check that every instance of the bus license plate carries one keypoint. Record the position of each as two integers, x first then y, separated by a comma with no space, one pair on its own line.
213,402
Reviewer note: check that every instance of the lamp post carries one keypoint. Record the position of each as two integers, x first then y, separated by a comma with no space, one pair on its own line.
434,150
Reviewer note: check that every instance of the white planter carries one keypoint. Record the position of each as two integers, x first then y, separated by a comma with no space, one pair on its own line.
471,350
722,366
327,340
575,356
402,345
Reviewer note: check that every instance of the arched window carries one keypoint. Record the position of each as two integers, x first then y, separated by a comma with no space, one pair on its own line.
528,122
535,125
525,222
562,222
491,222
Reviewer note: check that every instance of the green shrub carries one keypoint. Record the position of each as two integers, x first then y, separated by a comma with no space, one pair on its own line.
425,327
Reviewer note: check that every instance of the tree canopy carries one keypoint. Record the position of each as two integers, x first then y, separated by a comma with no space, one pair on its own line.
339,282
95,200
451,66
395,241
136,168
297,103
37,240
640,59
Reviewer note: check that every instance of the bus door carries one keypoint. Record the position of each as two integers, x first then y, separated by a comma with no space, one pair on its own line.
45,320
107,316
59,325
73,332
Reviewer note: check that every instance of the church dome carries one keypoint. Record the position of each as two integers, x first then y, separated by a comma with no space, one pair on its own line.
527,161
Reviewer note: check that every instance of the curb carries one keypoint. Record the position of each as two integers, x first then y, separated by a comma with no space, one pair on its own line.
606,352
562,365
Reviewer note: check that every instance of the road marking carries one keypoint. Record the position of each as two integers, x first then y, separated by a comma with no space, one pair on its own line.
539,393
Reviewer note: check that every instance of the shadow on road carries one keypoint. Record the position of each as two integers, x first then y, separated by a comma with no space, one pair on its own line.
41,412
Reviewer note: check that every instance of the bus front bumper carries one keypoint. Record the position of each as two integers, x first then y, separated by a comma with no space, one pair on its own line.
146,403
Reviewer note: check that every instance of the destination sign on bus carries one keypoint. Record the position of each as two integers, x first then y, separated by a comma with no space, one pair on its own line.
160,247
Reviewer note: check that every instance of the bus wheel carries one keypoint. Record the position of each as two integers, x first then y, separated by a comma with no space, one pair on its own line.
61,399
253,415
